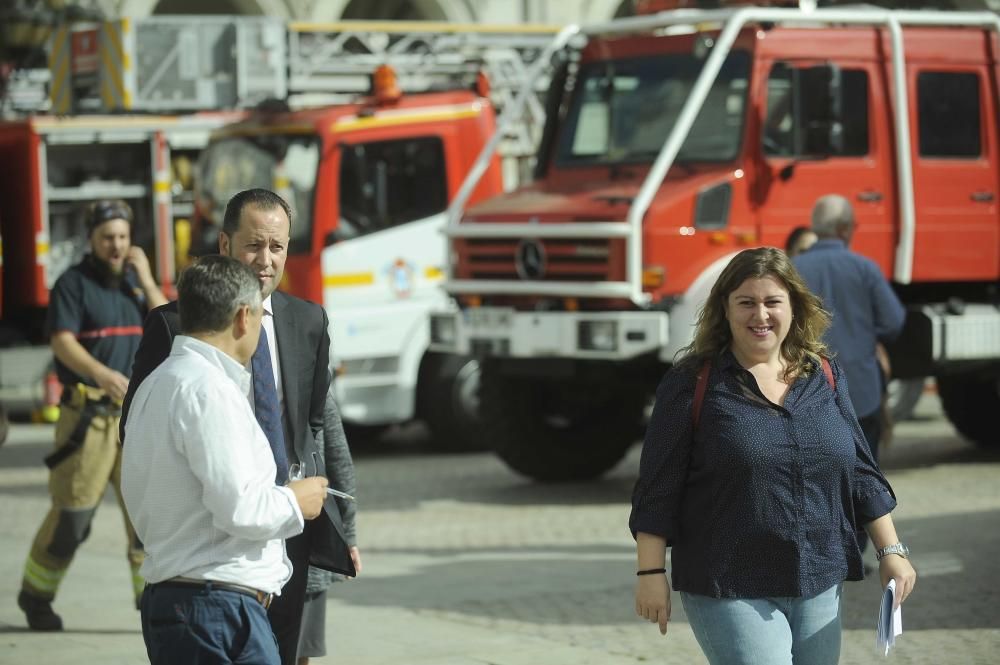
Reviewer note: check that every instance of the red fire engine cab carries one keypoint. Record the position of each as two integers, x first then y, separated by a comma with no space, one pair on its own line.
674,141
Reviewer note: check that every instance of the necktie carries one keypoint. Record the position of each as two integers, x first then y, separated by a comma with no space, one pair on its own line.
266,406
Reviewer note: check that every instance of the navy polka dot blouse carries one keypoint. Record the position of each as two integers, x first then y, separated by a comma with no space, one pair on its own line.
761,500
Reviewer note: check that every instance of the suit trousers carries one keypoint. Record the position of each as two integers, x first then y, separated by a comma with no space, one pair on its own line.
285,613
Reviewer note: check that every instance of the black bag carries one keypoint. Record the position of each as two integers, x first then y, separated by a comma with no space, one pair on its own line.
328,547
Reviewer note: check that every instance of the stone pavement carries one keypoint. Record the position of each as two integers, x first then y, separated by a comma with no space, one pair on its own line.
467,564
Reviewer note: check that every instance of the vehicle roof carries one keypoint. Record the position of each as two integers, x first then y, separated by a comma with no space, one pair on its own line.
108,123
320,120
937,44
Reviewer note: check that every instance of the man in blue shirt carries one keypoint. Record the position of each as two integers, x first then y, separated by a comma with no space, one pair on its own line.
864,307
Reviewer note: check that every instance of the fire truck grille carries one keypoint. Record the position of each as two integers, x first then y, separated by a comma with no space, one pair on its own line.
543,259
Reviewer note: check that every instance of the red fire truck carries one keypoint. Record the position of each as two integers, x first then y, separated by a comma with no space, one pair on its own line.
369,183
675,140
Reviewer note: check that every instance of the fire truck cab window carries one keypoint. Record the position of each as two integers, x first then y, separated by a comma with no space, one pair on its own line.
782,134
623,110
286,164
948,114
387,183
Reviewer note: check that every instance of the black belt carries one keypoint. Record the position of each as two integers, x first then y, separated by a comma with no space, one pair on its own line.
92,408
207,585
104,404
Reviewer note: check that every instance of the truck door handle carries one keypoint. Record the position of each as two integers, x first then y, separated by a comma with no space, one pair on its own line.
869,196
982,197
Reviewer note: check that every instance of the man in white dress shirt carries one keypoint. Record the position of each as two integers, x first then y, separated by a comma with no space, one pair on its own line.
198,482
257,232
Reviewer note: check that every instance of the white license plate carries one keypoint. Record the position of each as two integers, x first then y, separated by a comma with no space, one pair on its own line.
489,319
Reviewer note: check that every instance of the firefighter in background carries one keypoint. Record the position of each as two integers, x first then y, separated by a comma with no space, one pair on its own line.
96,311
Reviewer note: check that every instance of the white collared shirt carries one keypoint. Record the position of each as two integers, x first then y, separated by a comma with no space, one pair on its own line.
198,475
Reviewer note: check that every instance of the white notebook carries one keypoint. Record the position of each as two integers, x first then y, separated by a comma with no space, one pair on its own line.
890,622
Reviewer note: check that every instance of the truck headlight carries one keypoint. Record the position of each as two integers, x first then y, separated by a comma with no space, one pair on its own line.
443,329
598,335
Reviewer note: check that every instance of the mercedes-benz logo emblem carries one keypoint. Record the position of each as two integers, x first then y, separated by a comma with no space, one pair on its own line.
530,259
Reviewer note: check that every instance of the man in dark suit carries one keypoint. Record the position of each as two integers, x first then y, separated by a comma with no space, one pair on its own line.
255,231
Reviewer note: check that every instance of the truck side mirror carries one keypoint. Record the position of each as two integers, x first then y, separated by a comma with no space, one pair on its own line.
819,107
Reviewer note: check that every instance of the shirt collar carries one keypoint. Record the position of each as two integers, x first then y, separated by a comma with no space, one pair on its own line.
185,345
727,361
827,243
268,310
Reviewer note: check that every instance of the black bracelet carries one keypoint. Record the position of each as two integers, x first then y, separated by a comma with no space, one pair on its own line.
651,571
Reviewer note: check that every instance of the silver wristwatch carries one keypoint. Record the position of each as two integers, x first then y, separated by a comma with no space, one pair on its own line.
898,548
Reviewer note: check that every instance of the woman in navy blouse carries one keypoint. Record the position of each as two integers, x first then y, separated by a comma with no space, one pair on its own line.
758,490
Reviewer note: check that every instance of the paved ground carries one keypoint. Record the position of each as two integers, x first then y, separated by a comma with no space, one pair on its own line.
468,564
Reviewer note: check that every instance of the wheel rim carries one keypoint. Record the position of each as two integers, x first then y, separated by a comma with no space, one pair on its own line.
465,394
903,395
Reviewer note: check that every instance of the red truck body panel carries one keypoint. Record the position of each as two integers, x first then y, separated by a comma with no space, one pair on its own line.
21,191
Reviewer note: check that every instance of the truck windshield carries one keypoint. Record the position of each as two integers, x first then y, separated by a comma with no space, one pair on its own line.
384,184
623,110
286,164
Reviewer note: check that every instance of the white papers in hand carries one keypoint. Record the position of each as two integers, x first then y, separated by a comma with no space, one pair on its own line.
890,622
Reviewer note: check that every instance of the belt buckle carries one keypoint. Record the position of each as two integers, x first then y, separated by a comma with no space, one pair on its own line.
265,599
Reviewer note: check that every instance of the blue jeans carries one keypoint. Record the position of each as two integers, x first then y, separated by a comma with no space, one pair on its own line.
767,631
205,626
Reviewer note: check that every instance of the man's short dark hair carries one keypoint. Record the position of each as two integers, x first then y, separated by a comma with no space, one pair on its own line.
793,239
262,199
211,290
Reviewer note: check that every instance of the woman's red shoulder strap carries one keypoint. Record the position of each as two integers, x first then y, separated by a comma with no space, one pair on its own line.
829,373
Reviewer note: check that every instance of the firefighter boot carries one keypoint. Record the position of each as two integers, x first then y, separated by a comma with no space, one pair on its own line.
39,612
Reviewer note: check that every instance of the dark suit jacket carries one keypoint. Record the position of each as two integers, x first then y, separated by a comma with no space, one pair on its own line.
303,342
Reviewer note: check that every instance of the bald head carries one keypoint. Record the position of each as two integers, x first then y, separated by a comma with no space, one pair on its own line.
833,217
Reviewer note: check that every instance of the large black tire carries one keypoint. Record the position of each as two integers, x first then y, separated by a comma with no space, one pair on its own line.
449,401
971,404
557,431
903,397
